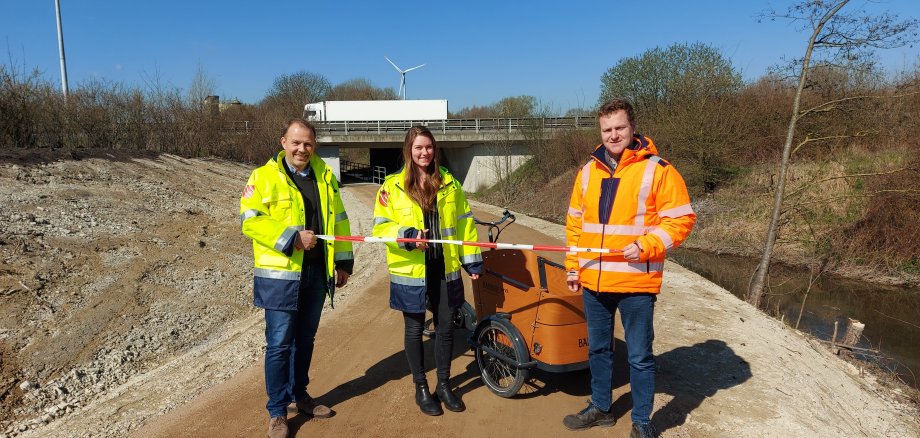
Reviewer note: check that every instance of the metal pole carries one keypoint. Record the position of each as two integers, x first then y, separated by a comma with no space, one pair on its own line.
57,12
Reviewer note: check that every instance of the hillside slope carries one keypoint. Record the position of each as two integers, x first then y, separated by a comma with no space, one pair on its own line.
126,292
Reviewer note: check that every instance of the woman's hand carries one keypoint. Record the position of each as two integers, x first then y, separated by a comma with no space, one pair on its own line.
421,235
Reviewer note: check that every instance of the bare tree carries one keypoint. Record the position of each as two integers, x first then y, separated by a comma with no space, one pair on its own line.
290,92
360,89
836,39
516,145
201,87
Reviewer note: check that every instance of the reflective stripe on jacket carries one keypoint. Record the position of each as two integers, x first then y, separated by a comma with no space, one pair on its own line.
396,215
644,200
272,213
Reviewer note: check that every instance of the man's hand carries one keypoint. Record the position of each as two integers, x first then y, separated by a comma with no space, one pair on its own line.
421,235
341,278
305,240
572,281
474,276
632,251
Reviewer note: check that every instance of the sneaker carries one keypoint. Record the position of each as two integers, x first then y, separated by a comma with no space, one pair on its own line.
309,407
589,417
278,427
643,431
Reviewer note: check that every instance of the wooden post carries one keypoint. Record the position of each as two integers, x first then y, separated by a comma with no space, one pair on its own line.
853,333
834,338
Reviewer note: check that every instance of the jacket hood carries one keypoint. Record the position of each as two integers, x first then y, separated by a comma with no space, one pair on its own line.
640,148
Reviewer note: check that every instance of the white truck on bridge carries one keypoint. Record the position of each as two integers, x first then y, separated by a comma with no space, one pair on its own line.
373,110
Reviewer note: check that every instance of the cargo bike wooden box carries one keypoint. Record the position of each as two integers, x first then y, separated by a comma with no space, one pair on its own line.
525,317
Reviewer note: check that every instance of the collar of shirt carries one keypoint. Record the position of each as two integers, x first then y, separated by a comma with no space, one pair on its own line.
305,172
610,161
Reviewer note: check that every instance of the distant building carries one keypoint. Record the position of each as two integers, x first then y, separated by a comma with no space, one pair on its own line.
212,105
230,104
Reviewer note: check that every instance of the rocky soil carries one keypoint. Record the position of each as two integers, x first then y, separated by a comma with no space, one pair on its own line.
112,263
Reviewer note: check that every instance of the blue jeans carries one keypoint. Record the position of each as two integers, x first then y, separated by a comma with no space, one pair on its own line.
289,336
636,311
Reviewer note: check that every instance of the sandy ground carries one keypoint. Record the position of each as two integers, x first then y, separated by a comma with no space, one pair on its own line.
726,369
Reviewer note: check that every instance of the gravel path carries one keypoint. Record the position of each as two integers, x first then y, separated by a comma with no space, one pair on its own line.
125,292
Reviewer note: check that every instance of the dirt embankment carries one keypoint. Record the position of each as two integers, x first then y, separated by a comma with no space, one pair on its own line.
112,263
150,307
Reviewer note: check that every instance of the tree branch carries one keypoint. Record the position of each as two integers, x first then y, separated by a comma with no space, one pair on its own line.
852,175
868,195
831,103
809,139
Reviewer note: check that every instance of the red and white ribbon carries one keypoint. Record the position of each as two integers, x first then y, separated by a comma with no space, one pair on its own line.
572,249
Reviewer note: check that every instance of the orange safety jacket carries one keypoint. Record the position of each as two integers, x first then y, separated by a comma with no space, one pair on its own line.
644,200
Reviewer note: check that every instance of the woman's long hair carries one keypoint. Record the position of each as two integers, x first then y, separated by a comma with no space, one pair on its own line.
422,187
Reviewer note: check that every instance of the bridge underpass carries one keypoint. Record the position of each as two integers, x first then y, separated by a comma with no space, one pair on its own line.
476,151
476,165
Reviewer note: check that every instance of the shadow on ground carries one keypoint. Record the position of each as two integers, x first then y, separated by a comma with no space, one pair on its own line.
392,367
693,373
690,374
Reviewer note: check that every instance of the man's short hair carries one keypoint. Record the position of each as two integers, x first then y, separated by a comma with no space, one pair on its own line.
614,105
301,122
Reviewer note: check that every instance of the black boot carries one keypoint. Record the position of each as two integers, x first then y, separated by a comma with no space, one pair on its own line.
425,401
451,401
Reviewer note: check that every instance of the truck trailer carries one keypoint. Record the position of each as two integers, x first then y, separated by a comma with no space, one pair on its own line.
375,110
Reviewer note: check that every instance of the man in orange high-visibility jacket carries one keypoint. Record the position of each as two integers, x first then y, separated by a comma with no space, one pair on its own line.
629,200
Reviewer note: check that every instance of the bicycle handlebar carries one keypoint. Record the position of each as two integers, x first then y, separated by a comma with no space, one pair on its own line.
505,216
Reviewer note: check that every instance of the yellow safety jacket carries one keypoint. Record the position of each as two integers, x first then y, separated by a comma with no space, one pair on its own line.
272,212
398,215
644,200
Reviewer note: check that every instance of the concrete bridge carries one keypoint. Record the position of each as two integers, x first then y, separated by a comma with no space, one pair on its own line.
477,151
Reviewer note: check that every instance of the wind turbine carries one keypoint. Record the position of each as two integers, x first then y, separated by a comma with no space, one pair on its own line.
402,77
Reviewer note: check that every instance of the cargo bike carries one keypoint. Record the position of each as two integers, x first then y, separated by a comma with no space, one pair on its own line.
523,317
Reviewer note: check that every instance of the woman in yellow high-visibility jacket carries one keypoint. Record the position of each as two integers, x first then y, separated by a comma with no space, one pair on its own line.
423,200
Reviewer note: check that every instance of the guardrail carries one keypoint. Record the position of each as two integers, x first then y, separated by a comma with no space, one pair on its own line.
354,169
380,174
443,126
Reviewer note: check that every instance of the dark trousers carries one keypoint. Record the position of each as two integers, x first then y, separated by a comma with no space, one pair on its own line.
436,293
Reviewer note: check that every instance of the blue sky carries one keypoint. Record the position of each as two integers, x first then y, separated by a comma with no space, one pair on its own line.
476,51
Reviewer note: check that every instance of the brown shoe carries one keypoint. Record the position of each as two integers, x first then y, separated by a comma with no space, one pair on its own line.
309,407
278,427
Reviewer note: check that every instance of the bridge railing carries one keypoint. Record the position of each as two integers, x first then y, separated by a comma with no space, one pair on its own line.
443,126
242,125
357,170
456,125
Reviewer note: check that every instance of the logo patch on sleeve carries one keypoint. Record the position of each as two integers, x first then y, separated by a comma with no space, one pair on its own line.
248,191
383,197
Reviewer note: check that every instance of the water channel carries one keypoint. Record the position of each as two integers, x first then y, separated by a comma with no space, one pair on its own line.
891,314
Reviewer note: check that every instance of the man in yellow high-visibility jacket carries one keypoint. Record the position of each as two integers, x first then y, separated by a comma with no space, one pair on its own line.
628,199
285,204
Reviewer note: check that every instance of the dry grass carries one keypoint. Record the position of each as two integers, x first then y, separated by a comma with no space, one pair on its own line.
830,213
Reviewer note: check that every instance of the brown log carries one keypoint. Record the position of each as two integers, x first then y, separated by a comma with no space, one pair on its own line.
839,347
